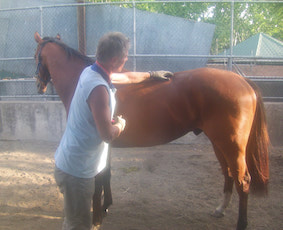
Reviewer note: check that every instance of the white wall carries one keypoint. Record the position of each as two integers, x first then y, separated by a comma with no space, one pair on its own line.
39,120
32,120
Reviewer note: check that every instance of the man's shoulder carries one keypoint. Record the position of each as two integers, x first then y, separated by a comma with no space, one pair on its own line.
89,76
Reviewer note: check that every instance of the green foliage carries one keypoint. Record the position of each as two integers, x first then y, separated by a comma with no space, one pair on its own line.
249,18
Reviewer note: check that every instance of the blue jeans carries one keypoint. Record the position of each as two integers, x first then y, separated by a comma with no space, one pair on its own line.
78,193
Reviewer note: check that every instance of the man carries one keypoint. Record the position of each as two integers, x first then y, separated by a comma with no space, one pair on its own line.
83,149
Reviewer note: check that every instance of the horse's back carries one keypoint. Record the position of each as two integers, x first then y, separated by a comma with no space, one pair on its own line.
216,81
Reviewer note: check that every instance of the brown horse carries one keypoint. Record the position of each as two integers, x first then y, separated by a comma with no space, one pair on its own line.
225,106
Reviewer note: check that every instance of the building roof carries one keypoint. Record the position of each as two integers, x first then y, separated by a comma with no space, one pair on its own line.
258,45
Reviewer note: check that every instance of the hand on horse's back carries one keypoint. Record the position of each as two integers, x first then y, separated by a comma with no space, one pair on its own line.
161,75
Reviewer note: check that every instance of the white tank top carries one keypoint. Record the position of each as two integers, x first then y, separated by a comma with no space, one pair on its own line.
81,152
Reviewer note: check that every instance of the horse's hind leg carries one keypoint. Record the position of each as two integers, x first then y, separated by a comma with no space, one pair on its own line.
242,184
231,153
228,184
239,170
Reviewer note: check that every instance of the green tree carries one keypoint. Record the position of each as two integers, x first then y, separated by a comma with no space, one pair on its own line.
267,18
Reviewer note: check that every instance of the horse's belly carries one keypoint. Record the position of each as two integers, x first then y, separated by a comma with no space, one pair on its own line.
143,140
151,128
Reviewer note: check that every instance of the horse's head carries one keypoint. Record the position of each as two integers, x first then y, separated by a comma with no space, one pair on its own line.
42,74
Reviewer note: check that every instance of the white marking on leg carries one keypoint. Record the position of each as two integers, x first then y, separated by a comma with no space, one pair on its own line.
220,210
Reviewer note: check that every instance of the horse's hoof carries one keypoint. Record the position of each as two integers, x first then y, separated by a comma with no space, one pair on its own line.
95,227
217,214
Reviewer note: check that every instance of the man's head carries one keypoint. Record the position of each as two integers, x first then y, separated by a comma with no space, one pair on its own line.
112,50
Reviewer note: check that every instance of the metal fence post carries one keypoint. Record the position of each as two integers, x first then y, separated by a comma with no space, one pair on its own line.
41,20
134,42
81,21
230,59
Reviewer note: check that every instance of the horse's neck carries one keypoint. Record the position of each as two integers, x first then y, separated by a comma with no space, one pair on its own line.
65,72
65,81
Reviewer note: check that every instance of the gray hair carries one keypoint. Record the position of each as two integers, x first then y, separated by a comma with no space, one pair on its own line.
113,44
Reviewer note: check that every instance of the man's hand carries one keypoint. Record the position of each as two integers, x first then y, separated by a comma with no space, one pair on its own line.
120,122
161,75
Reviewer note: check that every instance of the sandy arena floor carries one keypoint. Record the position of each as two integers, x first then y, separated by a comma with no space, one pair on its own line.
166,187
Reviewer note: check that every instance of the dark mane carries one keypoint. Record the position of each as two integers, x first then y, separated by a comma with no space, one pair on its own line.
70,51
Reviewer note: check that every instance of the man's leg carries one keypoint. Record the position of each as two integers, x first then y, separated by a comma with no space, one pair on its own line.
78,194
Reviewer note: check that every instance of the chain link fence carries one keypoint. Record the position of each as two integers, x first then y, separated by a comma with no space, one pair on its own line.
161,38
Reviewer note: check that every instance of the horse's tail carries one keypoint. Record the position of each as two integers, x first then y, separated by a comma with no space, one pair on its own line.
257,148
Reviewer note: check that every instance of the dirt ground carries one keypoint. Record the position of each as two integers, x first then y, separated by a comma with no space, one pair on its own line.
166,187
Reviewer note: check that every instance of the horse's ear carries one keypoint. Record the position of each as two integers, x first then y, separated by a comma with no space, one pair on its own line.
58,37
37,37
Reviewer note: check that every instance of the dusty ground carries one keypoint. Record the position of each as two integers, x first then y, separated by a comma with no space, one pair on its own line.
172,187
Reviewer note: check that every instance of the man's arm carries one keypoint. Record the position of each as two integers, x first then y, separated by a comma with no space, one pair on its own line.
129,77
136,77
99,104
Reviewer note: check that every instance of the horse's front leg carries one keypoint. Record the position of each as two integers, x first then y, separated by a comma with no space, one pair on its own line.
102,180
97,211
107,190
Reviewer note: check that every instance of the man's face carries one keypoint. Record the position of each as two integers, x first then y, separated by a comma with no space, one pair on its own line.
118,64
